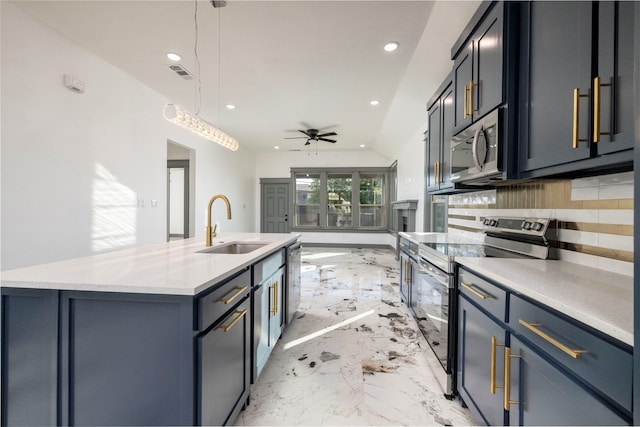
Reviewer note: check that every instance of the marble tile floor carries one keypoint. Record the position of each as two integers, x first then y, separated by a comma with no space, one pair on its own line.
353,355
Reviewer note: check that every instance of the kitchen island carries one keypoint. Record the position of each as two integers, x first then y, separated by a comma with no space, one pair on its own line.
157,335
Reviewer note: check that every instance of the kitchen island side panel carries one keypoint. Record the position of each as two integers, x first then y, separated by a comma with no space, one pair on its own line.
126,359
29,357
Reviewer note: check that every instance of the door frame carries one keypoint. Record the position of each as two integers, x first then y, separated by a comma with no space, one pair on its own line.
179,164
264,181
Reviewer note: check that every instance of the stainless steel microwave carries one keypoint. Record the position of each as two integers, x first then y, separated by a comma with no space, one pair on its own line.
475,152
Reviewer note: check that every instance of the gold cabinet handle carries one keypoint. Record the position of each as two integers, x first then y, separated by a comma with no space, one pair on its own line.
437,172
273,306
597,85
576,117
276,297
471,110
466,102
494,345
473,290
533,327
507,378
234,296
240,315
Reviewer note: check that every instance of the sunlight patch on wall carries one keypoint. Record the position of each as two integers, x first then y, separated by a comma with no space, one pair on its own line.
113,224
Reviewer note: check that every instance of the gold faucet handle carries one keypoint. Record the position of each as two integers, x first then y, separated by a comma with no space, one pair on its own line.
213,232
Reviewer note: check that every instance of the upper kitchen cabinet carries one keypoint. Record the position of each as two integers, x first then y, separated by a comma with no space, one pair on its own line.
576,87
481,63
440,130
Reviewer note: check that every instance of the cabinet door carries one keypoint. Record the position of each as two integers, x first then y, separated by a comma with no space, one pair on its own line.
480,363
433,146
615,70
260,314
29,357
544,395
275,307
556,59
405,277
224,361
486,93
462,76
447,109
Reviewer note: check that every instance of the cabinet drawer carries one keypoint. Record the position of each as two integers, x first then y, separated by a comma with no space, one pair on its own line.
265,268
483,293
216,303
605,366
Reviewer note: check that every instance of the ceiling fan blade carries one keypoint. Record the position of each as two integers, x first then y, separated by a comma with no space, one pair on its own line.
327,134
333,141
308,142
305,132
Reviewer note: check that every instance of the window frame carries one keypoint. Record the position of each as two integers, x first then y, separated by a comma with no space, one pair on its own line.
355,174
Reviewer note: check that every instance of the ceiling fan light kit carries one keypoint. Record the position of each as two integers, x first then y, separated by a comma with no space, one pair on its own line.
177,115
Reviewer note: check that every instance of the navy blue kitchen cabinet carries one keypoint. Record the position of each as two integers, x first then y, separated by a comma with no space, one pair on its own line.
576,87
408,252
481,339
103,358
440,113
479,66
29,356
522,363
269,277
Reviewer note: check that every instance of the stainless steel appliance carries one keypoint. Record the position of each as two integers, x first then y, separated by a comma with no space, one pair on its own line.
476,151
292,296
433,298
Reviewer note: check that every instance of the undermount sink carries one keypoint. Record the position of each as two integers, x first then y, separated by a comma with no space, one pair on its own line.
235,248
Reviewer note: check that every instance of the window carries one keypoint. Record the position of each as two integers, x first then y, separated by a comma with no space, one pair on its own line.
372,201
341,199
307,205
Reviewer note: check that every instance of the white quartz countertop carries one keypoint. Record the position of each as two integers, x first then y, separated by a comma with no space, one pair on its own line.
173,268
598,298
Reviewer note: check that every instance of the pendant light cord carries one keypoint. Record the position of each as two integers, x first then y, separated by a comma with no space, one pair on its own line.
198,94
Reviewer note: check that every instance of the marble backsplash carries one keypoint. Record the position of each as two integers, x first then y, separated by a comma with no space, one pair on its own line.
594,216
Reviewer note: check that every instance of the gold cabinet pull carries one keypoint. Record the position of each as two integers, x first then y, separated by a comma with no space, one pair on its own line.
436,167
471,110
597,84
240,315
576,117
234,296
533,327
273,306
507,378
275,289
494,345
473,290
466,102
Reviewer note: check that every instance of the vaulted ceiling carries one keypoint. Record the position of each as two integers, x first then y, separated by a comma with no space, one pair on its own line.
285,65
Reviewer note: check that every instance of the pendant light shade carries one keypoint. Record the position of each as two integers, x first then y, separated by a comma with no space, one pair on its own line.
176,114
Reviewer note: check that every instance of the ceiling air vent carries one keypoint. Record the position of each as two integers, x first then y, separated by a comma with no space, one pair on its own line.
181,71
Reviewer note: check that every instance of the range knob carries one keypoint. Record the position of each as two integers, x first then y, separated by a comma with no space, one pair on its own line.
493,223
537,226
526,225
486,221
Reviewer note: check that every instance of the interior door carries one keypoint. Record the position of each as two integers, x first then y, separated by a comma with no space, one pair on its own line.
275,206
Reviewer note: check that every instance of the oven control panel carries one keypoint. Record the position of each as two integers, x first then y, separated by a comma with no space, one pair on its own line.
526,226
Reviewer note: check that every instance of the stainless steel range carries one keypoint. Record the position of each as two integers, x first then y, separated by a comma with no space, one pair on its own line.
433,294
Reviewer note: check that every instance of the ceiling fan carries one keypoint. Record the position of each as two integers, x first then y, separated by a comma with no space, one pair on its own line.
315,135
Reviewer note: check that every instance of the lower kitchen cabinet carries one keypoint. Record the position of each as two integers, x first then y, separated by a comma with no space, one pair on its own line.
224,359
522,363
269,277
541,394
479,372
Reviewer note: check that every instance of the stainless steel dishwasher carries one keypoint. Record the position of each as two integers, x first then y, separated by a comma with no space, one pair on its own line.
292,290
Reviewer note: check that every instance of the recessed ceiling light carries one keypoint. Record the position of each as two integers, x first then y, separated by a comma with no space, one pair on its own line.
276,147
391,46
173,56
362,145
230,107
374,102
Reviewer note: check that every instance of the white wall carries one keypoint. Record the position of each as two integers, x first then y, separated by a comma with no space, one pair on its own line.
76,167
278,164
411,175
